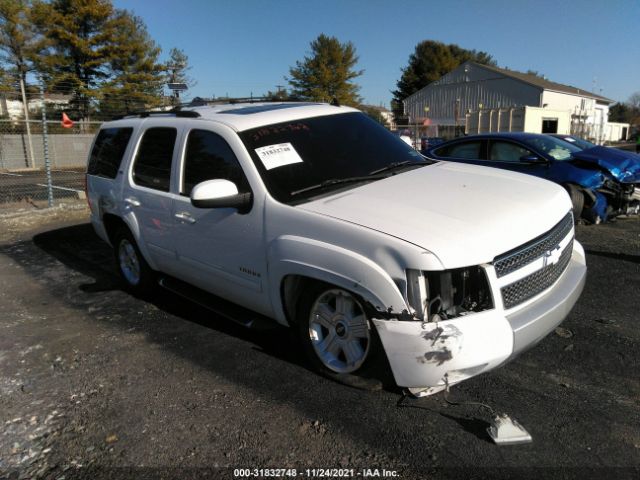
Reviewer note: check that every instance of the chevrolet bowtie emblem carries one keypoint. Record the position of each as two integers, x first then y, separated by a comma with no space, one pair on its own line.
551,257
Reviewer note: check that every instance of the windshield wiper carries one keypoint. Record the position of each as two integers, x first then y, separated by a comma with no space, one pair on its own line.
394,165
337,181
374,175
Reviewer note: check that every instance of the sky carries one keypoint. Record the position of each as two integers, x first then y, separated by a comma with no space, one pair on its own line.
246,47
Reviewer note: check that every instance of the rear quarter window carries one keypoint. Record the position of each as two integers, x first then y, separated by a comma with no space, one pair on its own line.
108,150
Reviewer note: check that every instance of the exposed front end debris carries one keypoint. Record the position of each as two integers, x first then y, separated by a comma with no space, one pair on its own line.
622,198
459,328
448,294
458,292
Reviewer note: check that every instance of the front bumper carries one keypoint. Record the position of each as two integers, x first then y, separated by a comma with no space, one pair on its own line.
532,323
425,355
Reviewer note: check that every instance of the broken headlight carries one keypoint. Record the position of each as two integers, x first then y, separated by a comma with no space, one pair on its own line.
448,293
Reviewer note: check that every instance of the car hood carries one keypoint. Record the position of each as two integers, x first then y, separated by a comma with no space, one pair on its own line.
623,166
463,214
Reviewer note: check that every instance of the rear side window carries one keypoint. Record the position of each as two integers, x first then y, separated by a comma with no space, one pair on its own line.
209,156
466,150
152,167
107,152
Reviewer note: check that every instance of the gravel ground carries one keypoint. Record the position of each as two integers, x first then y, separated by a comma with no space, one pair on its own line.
95,383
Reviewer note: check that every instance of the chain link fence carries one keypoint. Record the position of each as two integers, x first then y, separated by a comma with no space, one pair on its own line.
42,164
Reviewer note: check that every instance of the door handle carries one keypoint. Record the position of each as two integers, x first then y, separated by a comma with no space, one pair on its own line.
185,217
133,202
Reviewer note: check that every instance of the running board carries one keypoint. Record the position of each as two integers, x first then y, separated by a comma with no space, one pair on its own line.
240,315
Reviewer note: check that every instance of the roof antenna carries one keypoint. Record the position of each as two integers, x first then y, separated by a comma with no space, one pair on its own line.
335,102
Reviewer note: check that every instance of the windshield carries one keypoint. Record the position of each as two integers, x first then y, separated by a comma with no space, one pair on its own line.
581,143
554,147
295,155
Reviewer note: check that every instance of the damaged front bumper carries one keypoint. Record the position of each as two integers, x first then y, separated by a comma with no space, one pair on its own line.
425,356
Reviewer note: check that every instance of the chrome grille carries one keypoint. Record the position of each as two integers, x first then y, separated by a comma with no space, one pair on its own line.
531,285
531,251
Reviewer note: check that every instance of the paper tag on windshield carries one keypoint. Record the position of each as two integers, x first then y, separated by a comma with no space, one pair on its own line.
278,155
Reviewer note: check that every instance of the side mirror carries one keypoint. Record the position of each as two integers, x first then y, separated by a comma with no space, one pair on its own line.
220,193
532,159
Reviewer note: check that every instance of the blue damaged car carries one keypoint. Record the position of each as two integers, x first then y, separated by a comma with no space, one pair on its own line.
621,166
595,194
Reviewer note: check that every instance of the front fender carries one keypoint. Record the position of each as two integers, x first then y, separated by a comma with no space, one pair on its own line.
565,172
294,255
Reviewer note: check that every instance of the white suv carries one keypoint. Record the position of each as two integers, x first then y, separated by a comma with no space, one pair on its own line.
317,217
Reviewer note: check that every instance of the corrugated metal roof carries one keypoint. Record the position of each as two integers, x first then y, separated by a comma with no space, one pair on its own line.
543,83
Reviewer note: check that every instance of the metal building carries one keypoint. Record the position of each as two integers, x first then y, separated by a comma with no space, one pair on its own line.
481,98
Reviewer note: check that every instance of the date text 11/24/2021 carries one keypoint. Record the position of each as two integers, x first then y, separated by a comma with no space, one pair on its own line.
314,473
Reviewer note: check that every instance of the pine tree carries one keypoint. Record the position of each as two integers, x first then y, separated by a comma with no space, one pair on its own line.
75,47
136,77
17,40
177,68
97,53
326,75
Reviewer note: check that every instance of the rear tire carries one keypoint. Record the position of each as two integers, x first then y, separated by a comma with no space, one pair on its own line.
135,273
577,201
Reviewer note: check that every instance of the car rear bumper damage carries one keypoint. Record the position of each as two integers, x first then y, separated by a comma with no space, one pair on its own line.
425,356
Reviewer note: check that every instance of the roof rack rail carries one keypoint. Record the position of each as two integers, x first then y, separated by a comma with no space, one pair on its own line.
200,102
176,111
252,100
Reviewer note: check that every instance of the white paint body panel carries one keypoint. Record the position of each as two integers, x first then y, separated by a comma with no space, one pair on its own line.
463,214
364,239
420,356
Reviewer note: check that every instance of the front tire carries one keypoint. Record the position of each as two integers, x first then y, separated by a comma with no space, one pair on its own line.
336,334
134,271
577,201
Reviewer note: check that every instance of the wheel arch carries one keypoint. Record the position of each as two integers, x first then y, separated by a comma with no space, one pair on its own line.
301,261
112,223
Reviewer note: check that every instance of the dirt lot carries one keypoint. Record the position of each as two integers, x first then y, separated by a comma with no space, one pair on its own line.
95,383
